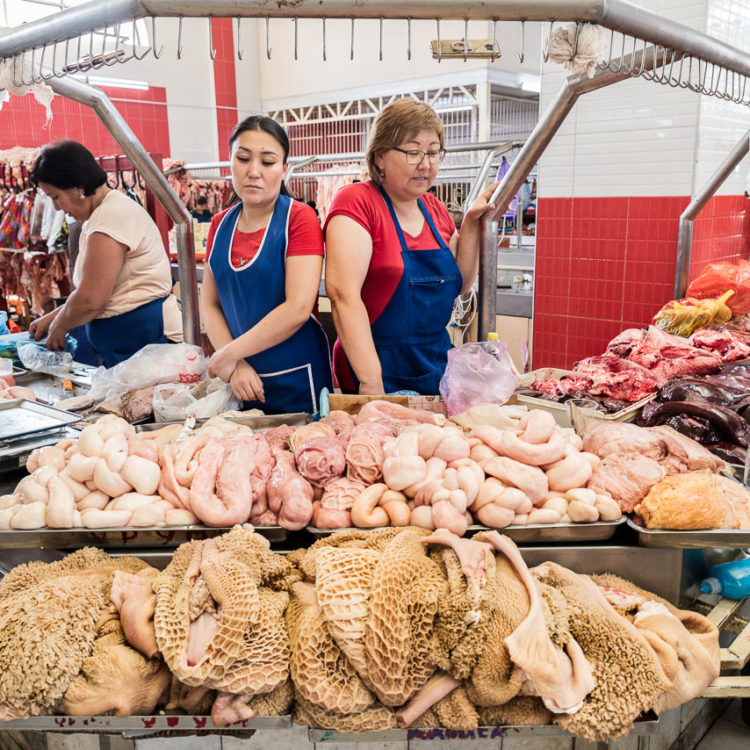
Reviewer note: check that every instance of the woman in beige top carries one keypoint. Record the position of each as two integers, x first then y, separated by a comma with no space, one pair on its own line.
122,276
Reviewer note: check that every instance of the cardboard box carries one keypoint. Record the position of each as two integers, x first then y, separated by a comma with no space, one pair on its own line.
352,402
584,418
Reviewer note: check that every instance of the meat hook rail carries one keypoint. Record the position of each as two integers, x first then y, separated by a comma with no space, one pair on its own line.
663,50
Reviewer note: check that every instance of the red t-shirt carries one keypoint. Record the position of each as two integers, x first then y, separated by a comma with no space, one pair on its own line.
363,202
305,236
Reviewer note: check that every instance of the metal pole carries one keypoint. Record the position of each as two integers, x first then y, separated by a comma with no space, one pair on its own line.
484,170
541,135
152,176
685,234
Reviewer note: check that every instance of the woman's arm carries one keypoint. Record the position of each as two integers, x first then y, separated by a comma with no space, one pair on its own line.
348,255
301,285
465,244
245,383
101,265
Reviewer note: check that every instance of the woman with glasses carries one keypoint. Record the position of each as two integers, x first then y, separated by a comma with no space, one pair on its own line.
395,261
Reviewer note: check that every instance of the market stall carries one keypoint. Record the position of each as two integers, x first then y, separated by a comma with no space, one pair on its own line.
501,475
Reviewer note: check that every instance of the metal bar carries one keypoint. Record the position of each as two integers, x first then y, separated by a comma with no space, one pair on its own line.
685,233
72,88
298,164
540,137
484,169
619,15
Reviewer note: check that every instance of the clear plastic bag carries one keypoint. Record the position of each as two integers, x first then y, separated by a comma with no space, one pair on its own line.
152,365
35,356
477,373
177,401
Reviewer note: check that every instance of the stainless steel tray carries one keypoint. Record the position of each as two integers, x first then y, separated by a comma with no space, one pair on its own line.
15,453
701,539
154,537
646,726
20,417
160,723
293,419
552,532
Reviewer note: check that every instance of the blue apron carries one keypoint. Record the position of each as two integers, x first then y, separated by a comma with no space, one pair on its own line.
121,336
410,334
294,371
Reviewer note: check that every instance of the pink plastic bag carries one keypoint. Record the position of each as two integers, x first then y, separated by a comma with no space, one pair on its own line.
477,373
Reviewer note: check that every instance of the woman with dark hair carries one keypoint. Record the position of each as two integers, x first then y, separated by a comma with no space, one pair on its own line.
395,261
122,276
260,285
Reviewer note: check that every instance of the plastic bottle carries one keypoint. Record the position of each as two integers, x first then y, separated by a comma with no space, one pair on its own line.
731,579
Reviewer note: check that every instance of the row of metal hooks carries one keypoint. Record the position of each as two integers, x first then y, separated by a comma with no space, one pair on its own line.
669,67
87,52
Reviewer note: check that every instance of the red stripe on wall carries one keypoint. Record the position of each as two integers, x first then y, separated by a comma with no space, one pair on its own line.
225,85
22,121
606,264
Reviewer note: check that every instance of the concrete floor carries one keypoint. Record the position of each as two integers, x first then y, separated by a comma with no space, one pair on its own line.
728,732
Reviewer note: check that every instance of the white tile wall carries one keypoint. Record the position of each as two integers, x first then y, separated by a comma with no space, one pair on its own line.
641,138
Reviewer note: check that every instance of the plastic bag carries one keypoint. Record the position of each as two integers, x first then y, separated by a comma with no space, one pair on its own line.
36,357
683,317
477,373
10,342
152,365
177,401
718,278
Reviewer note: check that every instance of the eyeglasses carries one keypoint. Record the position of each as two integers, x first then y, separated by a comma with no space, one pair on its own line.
416,157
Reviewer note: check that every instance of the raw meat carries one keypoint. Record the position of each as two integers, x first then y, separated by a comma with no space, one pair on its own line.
627,477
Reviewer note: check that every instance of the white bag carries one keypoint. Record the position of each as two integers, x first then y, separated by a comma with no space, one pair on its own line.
152,365
176,401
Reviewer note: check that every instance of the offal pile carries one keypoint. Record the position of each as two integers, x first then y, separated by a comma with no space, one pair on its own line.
362,631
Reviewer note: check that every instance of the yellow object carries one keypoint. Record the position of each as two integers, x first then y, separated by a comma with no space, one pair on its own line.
492,336
685,316
67,385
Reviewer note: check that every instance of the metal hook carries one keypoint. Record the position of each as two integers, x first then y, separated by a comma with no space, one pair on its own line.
494,42
40,78
268,38
687,82
240,51
575,42
295,37
351,47
408,38
15,81
211,50
521,54
439,49
116,57
466,37
179,38
324,39
380,49
548,44
136,41
100,63
157,55
611,44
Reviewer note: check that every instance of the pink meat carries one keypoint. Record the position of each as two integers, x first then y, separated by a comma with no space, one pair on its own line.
730,346
387,411
627,477
341,493
364,452
290,495
320,460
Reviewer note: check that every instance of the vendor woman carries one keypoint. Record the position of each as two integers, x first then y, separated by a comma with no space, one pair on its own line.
394,260
260,286
122,276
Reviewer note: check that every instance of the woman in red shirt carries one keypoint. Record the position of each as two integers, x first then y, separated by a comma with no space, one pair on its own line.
260,285
394,260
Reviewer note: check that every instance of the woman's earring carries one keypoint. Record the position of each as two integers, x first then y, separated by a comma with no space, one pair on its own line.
81,196
381,173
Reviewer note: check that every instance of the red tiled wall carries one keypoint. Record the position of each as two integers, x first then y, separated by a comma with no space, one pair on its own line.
224,82
22,121
606,264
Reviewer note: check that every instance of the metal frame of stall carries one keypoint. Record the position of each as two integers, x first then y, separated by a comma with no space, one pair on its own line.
667,48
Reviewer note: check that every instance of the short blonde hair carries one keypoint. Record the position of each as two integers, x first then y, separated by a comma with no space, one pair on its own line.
395,123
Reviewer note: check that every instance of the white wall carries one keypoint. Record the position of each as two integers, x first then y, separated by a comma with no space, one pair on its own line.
286,82
638,137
